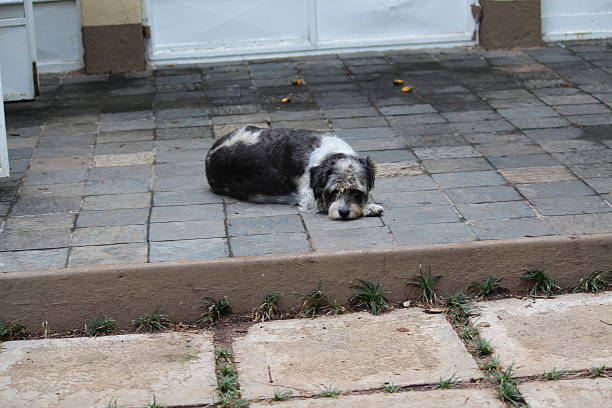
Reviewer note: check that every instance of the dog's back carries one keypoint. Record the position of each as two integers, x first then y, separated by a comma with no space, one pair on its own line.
252,162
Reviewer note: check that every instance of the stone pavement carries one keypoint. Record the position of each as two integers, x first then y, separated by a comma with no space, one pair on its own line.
354,354
488,145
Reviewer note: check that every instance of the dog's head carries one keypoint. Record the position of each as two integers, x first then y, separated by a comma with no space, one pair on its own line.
341,185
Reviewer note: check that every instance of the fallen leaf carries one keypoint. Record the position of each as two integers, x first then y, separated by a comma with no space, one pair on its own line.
297,82
402,330
406,88
483,324
398,82
566,84
286,100
436,310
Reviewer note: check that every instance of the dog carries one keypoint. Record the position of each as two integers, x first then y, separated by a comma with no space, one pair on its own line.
317,171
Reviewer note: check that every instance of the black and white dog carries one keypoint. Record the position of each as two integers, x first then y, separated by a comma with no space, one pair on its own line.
317,171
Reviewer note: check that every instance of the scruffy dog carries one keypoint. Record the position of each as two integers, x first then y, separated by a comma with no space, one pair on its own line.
317,171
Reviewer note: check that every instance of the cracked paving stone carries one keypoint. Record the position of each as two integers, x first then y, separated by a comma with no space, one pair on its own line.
586,393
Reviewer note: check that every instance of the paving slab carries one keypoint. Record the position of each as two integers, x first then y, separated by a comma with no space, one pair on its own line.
536,335
425,399
178,368
350,352
587,393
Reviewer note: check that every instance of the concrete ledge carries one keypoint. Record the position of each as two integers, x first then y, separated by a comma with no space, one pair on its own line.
67,297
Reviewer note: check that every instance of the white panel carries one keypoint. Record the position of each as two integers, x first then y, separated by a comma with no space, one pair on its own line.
12,11
58,36
4,160
15,63
392,21
576,20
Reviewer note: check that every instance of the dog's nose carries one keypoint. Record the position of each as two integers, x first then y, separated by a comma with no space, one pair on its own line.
343,212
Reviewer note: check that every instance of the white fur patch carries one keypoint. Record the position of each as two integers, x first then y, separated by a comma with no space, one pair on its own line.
241,135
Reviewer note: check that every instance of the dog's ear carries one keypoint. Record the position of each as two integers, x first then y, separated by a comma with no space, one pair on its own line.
370,168
318,180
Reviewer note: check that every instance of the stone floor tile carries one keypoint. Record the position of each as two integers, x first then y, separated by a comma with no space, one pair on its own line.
56,177
360,145
452,165
59,163
186,197
585,156
365,133
539,123
105,187
389,156
473,398
121,234
183,144
285,243
108,254
187,213
39,222
483,194
471,116
526,113
537,174
592,170
431,234
499,138
483,126
47,205
404,183
264,225
128,136
501,149
510,228
178,368
120,172
426,214
45,239
129,159
496,210
554,189
409,120
399,169
301,354
185,169
554,134
404,199
53,190
45,152
351,238
523,160
582,223
243,209
352,123
181,155
589,109
321,222
33,260
586,392
407,109
178,184
173,231
568,99
469,179
537,335
571,205
600,184
117,201
188,249
591,120
109,218
446,152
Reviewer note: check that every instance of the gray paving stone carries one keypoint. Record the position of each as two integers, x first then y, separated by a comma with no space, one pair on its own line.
43,152
352,123
104,149
53,190
377,144
285,243
365,133
350,112
460,164
175,156
117,201
501,149
321,222
404,183
196,132
582,224
59,163
405,199
557,146
180,170
496,137
601,184
177,368
446,152
554,134
55,177
496,210
584,156
187,197
409,120
39,222
587,392
471,116
351,238
188,249
173,231
33,260
524,160
265,225
120,172
554,189
109,218
592,170
568,99
571,205
527,113
123,234
539,123
303,353
389,156
407,109
484,126
178,184
469,179
431,234
582,109
526,175
242,209
187,213
182,144
108,254
510,228
591,120
106,187
45,239
48,205
128,136
428,214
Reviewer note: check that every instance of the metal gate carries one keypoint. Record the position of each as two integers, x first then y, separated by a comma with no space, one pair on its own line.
17,50
196,30
576,20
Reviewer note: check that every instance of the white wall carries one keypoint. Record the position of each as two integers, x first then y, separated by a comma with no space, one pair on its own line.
564,20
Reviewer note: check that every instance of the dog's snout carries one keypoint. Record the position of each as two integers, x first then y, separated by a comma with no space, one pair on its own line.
344,212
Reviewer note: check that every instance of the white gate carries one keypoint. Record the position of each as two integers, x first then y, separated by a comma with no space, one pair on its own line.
17,50
195,30
4,161
576,20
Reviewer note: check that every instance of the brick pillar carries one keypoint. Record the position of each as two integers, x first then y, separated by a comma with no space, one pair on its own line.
112,35
510,24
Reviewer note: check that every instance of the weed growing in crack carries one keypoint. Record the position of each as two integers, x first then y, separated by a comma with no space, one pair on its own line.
483,347
390,387
540,282
426,282
446,383
268,310
595,282
507,387
599,371
213,309
489,286
335,309
491,365
223,354
313,302
10,331
154,404
457,299
281,395
229,393
153,322
468,333
113,404
329,392
552,375
99,326
369,295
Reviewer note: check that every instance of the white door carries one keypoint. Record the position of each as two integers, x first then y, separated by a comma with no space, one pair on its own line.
17,50
4,162
576,20
195,30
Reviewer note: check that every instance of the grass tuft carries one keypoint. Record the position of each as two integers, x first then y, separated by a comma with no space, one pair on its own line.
552,375
599,371
595,282
446,383
426,282
99,326
540,282
10,331
281,395
113,404
390,387
491,365
213,309
329,392
507,387
369,295
268,310
223,354
457,299
468,333
154,404
489,286
483,347
313,302
153,322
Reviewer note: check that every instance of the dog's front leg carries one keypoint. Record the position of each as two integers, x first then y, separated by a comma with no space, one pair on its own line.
373,210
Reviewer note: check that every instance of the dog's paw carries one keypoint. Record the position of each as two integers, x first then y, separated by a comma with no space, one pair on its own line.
373,210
